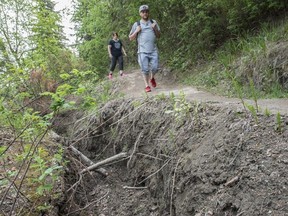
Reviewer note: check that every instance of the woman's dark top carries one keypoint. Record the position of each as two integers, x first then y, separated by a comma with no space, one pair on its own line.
116,47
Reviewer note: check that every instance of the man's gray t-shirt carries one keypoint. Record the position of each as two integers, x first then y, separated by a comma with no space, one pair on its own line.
146,37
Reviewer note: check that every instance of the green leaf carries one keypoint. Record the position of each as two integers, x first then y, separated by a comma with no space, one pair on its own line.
47,187
49,171
65,76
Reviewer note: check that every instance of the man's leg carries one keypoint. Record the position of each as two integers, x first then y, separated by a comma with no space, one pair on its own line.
154,67
143,61
146,79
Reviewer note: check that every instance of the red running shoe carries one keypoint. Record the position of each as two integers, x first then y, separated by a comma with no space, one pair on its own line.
148,89
153,82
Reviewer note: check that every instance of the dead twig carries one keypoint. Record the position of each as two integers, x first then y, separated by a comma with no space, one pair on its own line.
106,161
129,114
15,138
86,135
75,184
77,139
232,181
240,213
134,150
155,172
89,204
134,188
4,214
87,160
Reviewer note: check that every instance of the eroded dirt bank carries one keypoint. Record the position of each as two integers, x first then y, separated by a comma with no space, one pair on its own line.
194,159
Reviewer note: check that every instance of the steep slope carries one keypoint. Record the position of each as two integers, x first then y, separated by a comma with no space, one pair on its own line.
202,156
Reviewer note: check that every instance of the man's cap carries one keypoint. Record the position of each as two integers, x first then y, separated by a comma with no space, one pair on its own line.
143,7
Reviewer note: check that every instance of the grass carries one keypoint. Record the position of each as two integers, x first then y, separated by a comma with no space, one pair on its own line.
242,60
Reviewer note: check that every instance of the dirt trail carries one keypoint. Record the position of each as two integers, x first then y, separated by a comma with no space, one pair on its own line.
134,87
207,160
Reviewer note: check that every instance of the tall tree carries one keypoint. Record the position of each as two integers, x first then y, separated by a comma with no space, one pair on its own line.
15,16
94,31
190,29
47,34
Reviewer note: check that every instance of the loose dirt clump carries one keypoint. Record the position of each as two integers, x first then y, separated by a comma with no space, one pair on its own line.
194,159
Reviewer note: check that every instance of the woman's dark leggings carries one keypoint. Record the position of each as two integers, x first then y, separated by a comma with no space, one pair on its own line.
114,61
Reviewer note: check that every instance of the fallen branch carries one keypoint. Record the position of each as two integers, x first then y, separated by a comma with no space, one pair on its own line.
81,156
134,151
106,161
134,188
232,181
240,213
75,184
87,160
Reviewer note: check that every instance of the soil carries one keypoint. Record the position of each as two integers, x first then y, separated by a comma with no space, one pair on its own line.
134,87
188,154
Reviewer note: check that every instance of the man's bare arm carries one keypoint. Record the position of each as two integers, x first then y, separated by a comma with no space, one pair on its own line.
134,34
155,29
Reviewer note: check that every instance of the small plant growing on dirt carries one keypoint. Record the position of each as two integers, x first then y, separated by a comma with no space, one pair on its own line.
47,170
267,112
161,96
172,97
196,112
136,103
36,168
239,91
180,106
253,111
254,94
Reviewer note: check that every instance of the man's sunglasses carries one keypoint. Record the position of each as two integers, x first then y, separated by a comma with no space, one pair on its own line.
144,11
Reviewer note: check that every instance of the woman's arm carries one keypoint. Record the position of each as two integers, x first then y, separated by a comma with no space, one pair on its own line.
123,51
109,51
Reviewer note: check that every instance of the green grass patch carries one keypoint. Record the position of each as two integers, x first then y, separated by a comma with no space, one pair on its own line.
257,58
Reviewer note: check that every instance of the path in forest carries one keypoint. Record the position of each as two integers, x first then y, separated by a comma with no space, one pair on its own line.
134,87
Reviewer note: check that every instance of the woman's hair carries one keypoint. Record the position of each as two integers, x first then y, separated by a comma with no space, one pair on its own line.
115,33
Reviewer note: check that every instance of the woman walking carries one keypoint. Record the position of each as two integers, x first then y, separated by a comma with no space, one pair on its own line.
116,51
